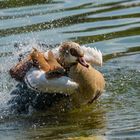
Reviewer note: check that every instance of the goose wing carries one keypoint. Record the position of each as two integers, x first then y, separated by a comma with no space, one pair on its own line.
36,79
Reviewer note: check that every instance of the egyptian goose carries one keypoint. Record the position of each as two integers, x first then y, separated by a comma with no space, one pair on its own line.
47,61
91,82
84,83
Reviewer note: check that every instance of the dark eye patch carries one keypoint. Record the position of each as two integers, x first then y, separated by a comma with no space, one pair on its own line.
76,52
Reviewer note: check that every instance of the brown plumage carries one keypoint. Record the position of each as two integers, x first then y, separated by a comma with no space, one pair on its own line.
49,65
19,70
91,83
37,59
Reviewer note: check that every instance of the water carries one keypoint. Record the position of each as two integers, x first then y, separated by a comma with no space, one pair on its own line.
111,26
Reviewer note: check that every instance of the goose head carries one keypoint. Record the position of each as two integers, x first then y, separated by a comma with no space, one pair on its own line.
65,51
71,53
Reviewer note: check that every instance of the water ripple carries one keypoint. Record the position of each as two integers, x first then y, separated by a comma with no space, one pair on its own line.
111,26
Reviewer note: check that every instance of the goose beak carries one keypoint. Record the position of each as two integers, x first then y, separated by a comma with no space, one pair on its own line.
83,62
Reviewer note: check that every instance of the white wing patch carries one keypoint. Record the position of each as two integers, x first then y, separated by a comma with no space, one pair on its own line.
92,55
36,80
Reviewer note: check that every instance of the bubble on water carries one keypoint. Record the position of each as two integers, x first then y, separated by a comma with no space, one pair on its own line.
43,123
1,117
129,79
30,110
34,126
122,84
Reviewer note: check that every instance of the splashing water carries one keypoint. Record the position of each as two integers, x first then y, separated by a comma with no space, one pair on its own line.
110,26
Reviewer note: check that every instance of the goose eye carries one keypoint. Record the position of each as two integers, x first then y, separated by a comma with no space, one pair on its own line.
67,52
74,52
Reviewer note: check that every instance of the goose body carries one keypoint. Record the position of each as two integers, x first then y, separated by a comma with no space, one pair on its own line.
82,82
91,83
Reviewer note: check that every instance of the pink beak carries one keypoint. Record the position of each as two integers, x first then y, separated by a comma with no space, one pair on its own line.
83,62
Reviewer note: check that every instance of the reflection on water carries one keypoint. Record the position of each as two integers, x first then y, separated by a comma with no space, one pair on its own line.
111,26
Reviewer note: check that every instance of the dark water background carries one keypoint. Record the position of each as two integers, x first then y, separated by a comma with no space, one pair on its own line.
113,26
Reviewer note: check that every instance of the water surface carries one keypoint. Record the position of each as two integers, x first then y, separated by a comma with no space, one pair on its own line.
111,26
